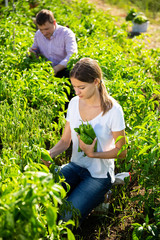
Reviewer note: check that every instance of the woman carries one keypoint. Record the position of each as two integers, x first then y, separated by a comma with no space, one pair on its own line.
90,177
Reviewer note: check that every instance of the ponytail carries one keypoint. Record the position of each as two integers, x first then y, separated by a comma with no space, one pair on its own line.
106,102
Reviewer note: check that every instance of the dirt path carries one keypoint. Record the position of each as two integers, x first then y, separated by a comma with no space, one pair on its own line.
151,37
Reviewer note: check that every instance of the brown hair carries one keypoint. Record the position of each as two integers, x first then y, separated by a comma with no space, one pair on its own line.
44,16
87,70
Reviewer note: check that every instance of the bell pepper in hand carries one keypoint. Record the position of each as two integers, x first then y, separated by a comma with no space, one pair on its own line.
89,131
86,139
87,135
45,155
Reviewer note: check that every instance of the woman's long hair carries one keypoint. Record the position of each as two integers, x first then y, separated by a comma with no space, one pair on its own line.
87,70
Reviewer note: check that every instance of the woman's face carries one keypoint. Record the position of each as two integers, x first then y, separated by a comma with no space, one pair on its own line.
83,89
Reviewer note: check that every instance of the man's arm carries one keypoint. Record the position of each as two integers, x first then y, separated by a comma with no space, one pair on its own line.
34,49
70,47
58,68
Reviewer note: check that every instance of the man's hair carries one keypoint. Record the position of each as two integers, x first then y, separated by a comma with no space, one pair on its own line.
44,16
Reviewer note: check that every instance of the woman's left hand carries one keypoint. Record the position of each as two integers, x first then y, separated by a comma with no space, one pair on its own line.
86,148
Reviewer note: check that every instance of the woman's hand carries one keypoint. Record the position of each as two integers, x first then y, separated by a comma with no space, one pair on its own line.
86,148
60,147
47,163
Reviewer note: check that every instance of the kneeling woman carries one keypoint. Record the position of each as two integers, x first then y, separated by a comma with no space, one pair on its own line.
90,176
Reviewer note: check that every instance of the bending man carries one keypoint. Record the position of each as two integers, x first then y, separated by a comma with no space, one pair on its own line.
53,41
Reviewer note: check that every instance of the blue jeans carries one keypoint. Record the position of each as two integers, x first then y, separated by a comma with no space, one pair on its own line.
86,192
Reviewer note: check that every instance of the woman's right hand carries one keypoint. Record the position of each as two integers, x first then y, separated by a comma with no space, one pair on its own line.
47,163
45,154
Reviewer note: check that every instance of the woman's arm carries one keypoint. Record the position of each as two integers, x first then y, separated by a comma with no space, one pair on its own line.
113,153
62,145
64,142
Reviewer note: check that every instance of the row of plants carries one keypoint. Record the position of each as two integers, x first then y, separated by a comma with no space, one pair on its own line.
32,116
151,7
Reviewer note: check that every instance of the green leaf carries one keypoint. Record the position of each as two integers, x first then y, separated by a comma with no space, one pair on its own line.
10,220
70,234
147,219
144,150
119,138
136,225
134,235
51,215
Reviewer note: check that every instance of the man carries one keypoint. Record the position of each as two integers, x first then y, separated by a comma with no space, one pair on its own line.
53,41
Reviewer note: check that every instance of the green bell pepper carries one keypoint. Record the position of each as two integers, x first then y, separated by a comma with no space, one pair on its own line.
88,129
87,135
45,155
86,139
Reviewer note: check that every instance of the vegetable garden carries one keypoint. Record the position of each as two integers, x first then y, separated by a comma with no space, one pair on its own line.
32,116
